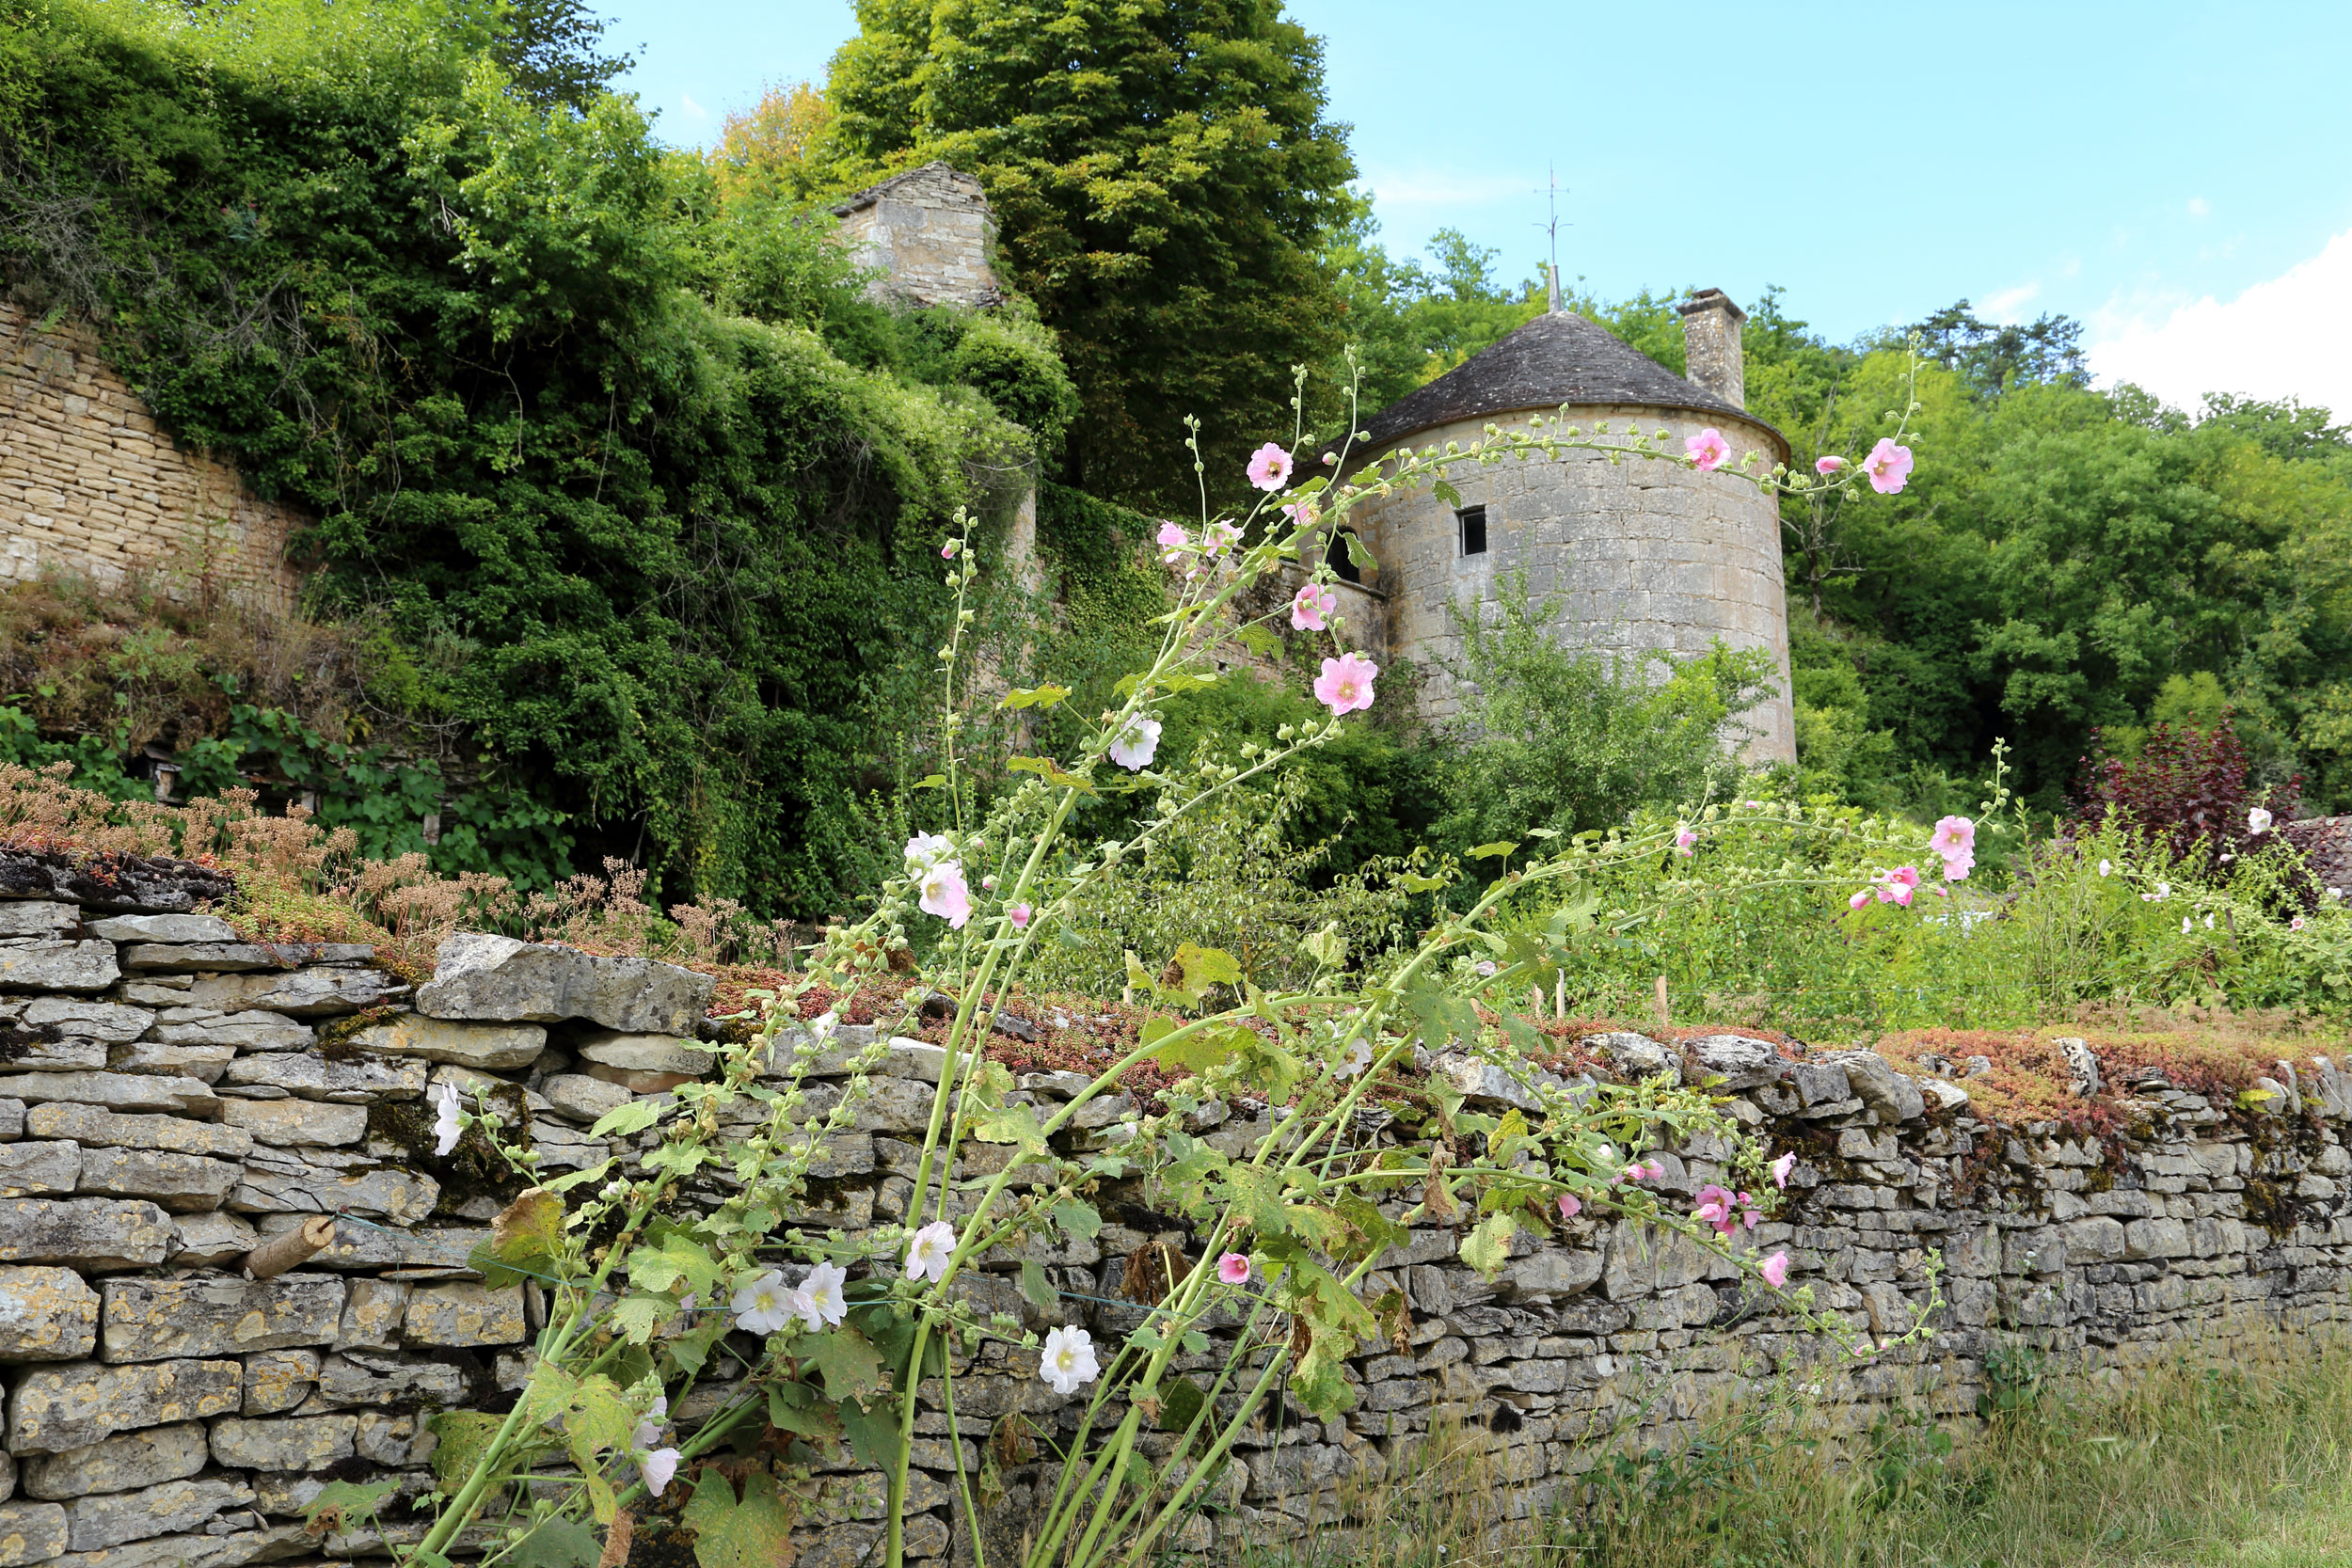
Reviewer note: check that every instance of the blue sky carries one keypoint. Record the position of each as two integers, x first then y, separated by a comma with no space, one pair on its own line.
2173,175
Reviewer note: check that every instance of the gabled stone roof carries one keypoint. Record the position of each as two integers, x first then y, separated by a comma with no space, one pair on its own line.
1557,358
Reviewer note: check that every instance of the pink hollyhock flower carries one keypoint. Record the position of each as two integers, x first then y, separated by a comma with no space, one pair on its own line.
947,551
1657,1169
1221,536
1858,899
1136,744
1716,1207
945,895
1302,511
1345,684
1708,449
1309,604
1269,467
1828,465
1775,1270
2296,923
1570,1206
1635,1171
1897,886
1956,868
1781,1167
1954,836
1888,466
1020,915
1173,543
1684,838
1233,1269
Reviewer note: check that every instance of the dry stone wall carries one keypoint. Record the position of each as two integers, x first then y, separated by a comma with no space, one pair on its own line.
174,1099
92,486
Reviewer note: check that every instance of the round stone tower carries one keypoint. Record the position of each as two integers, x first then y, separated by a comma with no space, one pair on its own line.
1639,555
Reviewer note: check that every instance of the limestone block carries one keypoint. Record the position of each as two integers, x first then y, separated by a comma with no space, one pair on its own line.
1551,1272
57,965
277,1380
118,1464
118,1091
164,928
80,1018
46,1314
311,1076
93,1128
582,1098
294,1123
211,1239
245,1031
65,1056
231,1548
645,1052
11,1119
29,1169
2095,1238
1745,1063
31,1532
181,1183
373,1377
1484,1083
36,917
323,1182
373,1315
495,1046
58,1408
286,1443
398,1441
464,1314
1636,1056
478,975
2160,1237
2082,1064
90,1234
1639,1264
203,1063
1869,1078
151,1319
302,992
204,957
174,1508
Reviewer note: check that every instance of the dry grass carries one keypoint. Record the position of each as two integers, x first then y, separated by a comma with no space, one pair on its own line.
2236,1458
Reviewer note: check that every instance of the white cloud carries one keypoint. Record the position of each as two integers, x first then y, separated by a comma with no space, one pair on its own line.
2287,337
693,110
2198,207
2005,305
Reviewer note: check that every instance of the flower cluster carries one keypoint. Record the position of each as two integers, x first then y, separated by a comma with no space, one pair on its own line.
769,1306
930,859
1954,842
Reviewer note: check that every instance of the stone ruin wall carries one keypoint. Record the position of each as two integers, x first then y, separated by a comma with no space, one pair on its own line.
930,232
175,1097
92,486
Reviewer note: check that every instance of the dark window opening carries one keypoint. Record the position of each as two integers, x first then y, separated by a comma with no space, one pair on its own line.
1335,556
1473,525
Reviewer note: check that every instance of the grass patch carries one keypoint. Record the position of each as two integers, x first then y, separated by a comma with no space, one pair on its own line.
2237,1460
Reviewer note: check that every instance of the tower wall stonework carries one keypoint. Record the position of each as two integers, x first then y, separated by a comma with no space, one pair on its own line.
929,230
1642,554
92,486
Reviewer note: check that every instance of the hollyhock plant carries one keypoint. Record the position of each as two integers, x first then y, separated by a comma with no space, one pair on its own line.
1269,467
767,1305
822,1304
1888,467
945,894
929,1249
1019,914
1221,537
446,1129
1173,542
1708,449
1828,465
1570,1206
1781,1167
1775,1270
1345,684
1309,604
1233,1269
1684,838
656,1469
1136,744
1068,1362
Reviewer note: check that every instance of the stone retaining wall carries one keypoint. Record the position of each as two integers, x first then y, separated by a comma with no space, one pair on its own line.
177,1097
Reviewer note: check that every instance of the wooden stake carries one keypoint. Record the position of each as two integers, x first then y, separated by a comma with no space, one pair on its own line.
291,1250
1665,1014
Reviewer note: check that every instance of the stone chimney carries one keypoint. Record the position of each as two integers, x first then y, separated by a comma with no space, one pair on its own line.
1710,340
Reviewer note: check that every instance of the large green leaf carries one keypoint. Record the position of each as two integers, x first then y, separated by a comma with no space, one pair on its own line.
1488,1247
845,1360
755,1531
558,1542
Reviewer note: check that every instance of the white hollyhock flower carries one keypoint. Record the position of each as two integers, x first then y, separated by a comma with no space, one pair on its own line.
1069,1361
929,1249
822,1301
766,1305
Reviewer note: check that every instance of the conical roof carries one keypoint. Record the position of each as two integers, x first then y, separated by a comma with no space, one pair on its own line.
1557,358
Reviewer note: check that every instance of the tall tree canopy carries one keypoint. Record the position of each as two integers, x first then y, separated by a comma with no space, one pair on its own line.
1165,178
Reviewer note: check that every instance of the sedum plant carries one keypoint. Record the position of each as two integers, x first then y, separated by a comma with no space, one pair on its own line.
701,1331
